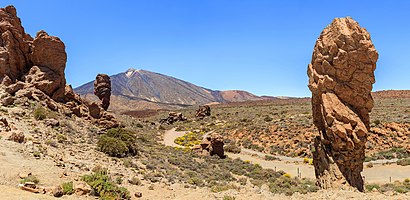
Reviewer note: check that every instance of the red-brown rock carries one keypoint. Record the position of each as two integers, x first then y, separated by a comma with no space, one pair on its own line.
341,75
102,89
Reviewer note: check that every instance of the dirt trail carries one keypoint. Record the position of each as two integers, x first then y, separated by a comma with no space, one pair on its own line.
379,173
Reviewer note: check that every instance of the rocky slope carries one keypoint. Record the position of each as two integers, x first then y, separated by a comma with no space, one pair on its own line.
141,89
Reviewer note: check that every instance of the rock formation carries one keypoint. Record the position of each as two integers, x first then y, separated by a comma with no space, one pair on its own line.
341,75
173,117
203,111
102,89
33,68
211,145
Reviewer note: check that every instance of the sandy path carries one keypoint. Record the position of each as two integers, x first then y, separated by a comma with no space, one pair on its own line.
379,173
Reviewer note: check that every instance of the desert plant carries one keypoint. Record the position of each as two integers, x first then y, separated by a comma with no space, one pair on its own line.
270,158
226,197
68,188
40,113
112,146
232,148
30,178
118,142
101,183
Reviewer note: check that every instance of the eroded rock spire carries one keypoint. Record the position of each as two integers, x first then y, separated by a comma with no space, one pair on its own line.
341,75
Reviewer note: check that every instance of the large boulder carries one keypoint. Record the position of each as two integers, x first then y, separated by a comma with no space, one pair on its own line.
49,58
14,45
34,69
341,75
102,89
203,111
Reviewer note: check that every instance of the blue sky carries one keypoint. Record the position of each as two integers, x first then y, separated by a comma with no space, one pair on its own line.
260,46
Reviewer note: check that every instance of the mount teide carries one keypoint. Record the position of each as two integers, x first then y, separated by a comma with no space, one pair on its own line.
141,89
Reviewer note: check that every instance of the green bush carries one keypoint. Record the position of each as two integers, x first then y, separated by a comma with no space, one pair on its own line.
270,158
40,113
370,187
101,183
112,146
118,142
30,178
68,188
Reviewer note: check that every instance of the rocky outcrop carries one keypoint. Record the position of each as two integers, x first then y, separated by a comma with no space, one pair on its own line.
33,68
203,111
211,145
173,117
102,89
341,75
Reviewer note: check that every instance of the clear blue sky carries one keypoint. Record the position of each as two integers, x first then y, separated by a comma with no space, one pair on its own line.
260,46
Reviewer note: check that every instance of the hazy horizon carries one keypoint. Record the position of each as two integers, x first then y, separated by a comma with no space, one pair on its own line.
262,47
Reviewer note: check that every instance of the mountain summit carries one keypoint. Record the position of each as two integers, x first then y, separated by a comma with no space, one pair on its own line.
141,89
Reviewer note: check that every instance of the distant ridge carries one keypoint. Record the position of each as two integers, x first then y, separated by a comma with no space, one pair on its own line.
142,89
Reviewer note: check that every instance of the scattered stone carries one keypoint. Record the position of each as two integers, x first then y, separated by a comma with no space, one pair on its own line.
28,189
52,122
30,185
341,75
23,175
58,191
5,124
102,89
8,100
82,188
203,111
138,194
17,137
12,89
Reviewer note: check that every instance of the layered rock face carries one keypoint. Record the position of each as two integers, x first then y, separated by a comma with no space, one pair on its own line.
341,75
102,89
33,68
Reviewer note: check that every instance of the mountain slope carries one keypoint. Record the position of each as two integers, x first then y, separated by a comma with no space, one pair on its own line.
141,89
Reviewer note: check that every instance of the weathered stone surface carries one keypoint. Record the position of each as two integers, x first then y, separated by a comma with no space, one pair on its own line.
102,89
203,111
95,110
211,145
82,188
14,45
58,191
341,75
36,67
17,137
173,117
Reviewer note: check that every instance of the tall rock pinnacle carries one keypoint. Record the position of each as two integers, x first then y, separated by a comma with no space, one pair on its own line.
341,75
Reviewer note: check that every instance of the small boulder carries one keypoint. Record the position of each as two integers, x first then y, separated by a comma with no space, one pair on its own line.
58,191
82,188
17,137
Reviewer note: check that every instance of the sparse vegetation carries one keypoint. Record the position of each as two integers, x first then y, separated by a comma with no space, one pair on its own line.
190,139
397,186
68,188
40,113
101,183
232,148
389,154
30,178
117,142
404,162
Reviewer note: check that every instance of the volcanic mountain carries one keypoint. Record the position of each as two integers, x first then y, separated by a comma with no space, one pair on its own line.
141,89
